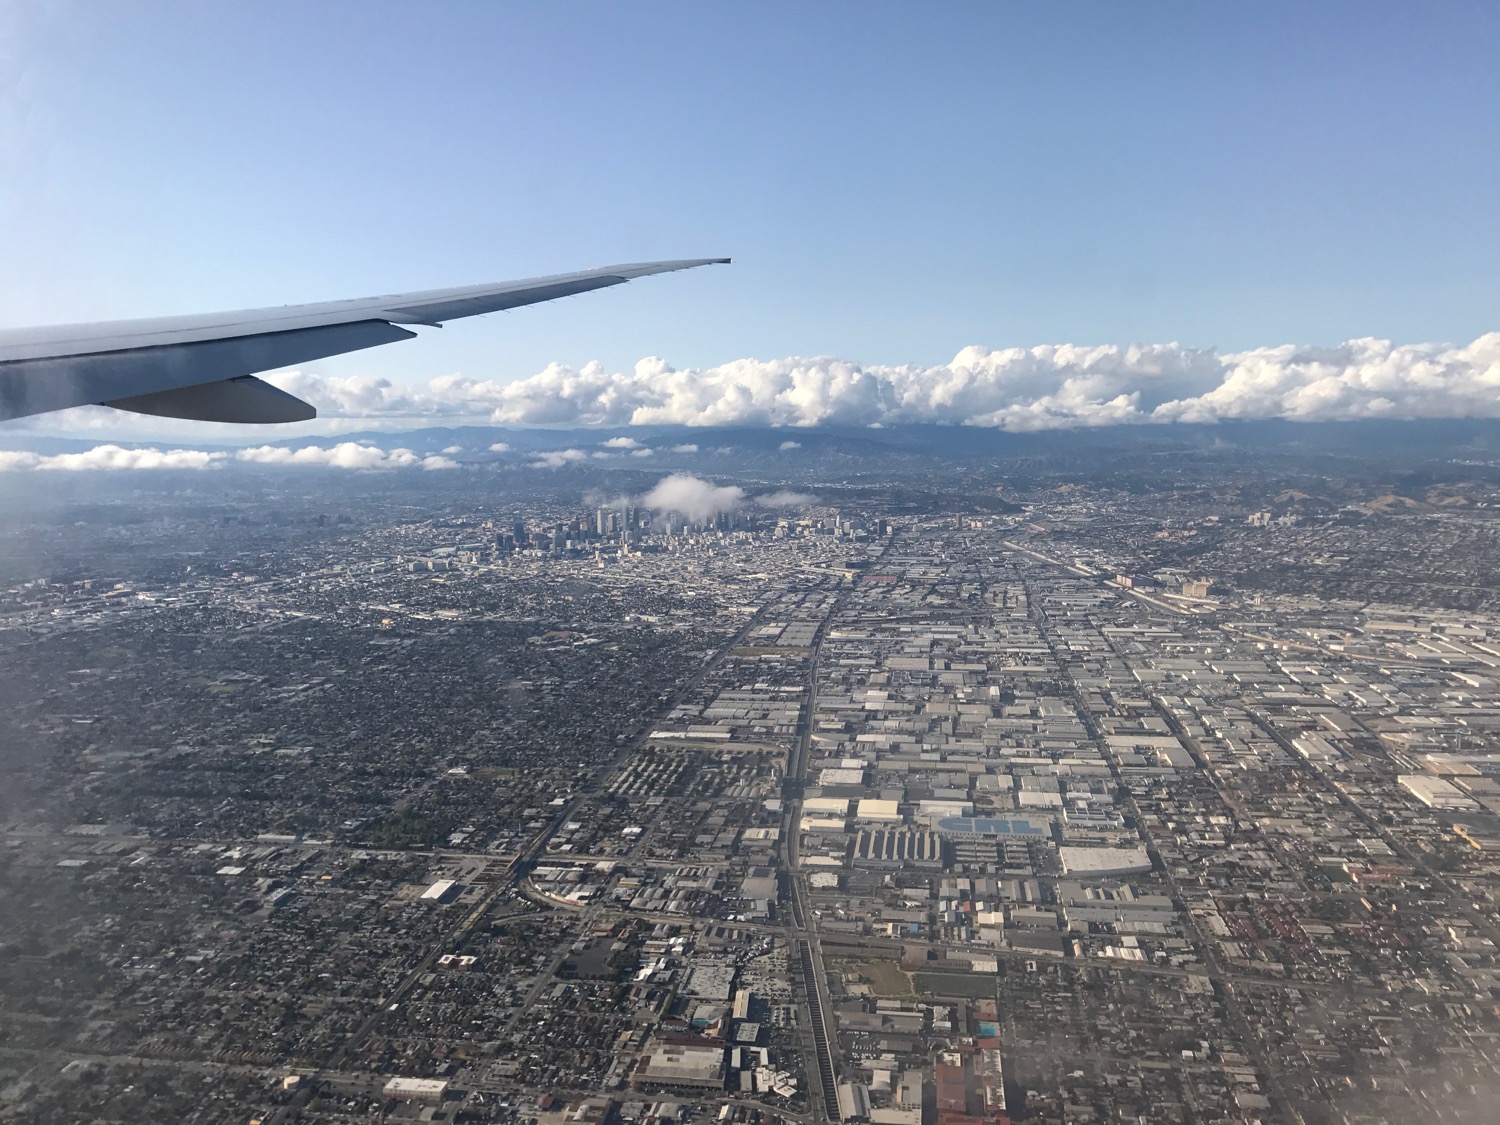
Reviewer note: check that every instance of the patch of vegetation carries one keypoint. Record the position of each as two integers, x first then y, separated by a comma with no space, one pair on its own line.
976,986
885,978
410,828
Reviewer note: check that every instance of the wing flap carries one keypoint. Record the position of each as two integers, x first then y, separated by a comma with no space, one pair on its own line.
244,399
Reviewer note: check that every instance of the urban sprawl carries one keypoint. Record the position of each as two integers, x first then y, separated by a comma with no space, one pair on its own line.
555,812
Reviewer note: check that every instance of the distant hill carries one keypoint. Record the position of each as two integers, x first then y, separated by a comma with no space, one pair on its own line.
1388,502
1457,440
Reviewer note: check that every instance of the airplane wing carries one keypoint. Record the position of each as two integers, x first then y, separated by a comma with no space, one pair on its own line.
203,367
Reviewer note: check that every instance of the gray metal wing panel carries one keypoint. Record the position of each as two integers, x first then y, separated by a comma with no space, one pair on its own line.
141,364
429,306
436,310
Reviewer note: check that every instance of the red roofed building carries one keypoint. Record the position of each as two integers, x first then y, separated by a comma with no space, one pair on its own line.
972,1092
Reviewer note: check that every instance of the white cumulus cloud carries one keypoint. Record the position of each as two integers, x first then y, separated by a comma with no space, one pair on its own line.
693,497
785,499
1044,387
686,447
344,455
1359,379
112,457
622,443
500,447
784,446
557,458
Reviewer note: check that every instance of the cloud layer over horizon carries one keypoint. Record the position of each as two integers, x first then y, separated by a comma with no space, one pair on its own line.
1019,389
344,455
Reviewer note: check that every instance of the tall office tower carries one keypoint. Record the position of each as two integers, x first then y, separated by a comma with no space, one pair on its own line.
601,522
518,530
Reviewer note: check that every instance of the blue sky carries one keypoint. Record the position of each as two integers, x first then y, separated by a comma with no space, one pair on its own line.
895,182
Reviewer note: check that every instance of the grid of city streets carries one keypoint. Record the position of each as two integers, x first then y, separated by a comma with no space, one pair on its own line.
836,818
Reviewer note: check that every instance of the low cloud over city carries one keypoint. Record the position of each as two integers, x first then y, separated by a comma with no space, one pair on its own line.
693,497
